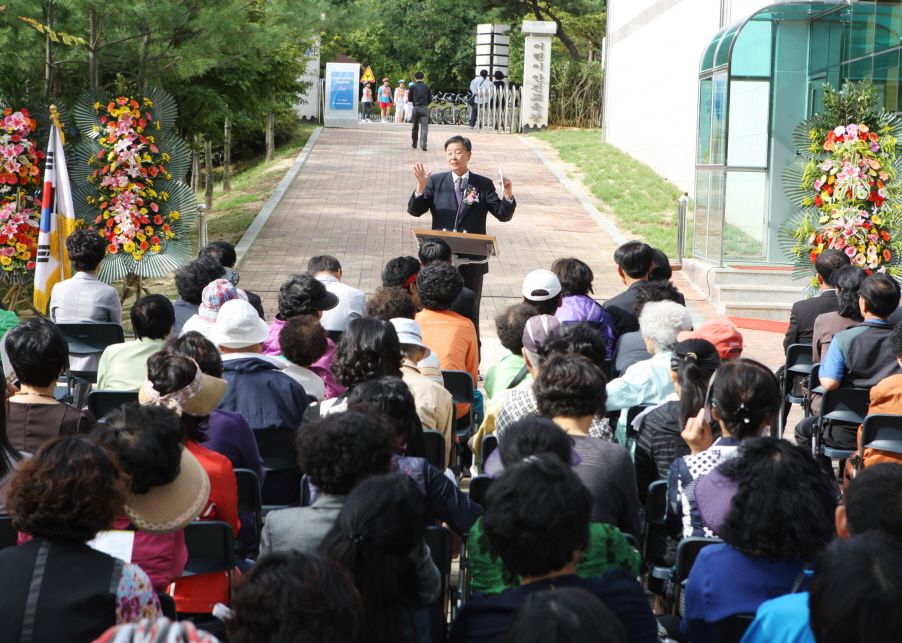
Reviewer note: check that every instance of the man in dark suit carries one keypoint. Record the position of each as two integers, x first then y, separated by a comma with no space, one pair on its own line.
459,201
801,319
635,261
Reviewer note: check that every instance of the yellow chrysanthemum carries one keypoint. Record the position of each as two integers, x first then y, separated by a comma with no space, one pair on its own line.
129,246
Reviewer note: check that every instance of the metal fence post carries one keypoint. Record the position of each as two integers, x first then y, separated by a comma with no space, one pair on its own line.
682,207
201,225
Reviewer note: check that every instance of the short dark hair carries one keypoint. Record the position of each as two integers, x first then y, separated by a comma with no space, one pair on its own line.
434,249
847,281
484,73
662,270
536,515
200,349
70,490
419,75
341,449
390,397
390,302
459,139
439,286
194,276
398,271
510,325
531,436
546,306
656,291
303,340
635,258
828,262
881,293
569,614
570,386
221,252
290,596
576,339
153,317
297,294
323,263
37,351
575,276
874,500
784,507
744,392
369,348
147,441
86,249
855,593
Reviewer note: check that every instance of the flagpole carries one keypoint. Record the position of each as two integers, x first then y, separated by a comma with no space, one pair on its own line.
54,114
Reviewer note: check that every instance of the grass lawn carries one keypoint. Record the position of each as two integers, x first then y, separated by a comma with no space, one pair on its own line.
642,203
252,184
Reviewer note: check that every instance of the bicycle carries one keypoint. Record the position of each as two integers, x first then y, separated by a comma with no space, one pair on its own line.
437,107
459,112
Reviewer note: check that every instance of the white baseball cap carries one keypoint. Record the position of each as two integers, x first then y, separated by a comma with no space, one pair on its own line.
409,333
541,280
238,325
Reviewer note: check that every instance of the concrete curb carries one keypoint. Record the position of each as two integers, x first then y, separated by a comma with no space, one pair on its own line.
260,220
606,224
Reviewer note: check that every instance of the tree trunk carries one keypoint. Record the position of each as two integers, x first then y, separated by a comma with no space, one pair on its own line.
564,38
271,136
92,49
195,167
227,156
208,175
145,54
48,71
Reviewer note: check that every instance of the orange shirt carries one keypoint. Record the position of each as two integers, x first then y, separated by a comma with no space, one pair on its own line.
453,338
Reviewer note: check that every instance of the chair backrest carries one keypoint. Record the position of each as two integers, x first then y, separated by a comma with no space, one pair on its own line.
439,541
278,448
211,547
732,628
9,537
656,503
799,359
489,444
249,499
102,403
460,385
92,337
686,553
882,431
435,449
846,405
478,488
167,605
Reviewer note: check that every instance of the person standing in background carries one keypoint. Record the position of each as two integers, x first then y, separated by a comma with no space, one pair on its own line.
366,101
400,101
385,99
420,96
481,82
499,80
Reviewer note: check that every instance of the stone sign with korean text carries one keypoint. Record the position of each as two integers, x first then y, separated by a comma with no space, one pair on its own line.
536,74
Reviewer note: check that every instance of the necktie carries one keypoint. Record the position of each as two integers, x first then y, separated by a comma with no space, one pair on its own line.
457,189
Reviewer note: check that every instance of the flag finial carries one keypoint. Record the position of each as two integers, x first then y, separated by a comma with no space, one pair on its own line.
55,115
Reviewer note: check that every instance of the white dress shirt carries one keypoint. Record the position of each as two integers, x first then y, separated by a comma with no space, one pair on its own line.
351,304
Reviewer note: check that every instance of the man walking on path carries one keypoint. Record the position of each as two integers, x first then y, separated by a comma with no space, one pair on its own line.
420,96
481,82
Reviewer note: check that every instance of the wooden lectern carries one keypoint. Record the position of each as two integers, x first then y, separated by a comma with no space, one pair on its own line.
466,248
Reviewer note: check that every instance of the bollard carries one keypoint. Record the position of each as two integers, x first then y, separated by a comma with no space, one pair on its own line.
682,207
201,225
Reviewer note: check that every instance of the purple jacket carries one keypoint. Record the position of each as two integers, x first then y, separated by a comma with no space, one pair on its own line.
581,308
229,434
322,366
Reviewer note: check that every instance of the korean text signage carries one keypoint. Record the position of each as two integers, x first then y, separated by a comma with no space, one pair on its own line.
536,73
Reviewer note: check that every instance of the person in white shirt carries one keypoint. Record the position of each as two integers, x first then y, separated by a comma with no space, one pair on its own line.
481,82
351,302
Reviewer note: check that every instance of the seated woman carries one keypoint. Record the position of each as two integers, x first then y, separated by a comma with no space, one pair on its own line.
744,399
774,509
379,537
304,341
123,366
570,391
568,615
169,487
336,453
215,294
55,587
659,428
38,353
316,601
576,286
606,548
176,381
390,397
847,280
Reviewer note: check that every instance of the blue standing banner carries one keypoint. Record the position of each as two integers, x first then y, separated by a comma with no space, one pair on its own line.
342,84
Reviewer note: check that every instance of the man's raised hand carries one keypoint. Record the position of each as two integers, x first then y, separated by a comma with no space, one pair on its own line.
422,177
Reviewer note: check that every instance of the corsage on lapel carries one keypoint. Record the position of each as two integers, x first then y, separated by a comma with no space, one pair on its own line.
471,196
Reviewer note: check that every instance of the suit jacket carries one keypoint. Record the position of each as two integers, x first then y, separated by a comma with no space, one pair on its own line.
801,319
84,299
622,311
438,198
463,306
301,528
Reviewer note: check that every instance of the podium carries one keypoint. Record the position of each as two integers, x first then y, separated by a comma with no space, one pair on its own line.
466,248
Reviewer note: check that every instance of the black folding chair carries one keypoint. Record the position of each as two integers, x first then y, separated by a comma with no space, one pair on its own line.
250,501
798,364
631,434
841,407
167,605
335,335
460,385
278,448
686,553
655,511
102,403
732,628
9,537
439,541
435,449
814,388
478,488
881,431
89,338
489,444
211,549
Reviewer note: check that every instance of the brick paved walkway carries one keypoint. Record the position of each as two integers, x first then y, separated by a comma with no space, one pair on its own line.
350,200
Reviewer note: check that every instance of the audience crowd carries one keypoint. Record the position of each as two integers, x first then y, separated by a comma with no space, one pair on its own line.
303,478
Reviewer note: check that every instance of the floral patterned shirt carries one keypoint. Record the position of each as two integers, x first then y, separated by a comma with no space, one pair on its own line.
135,596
